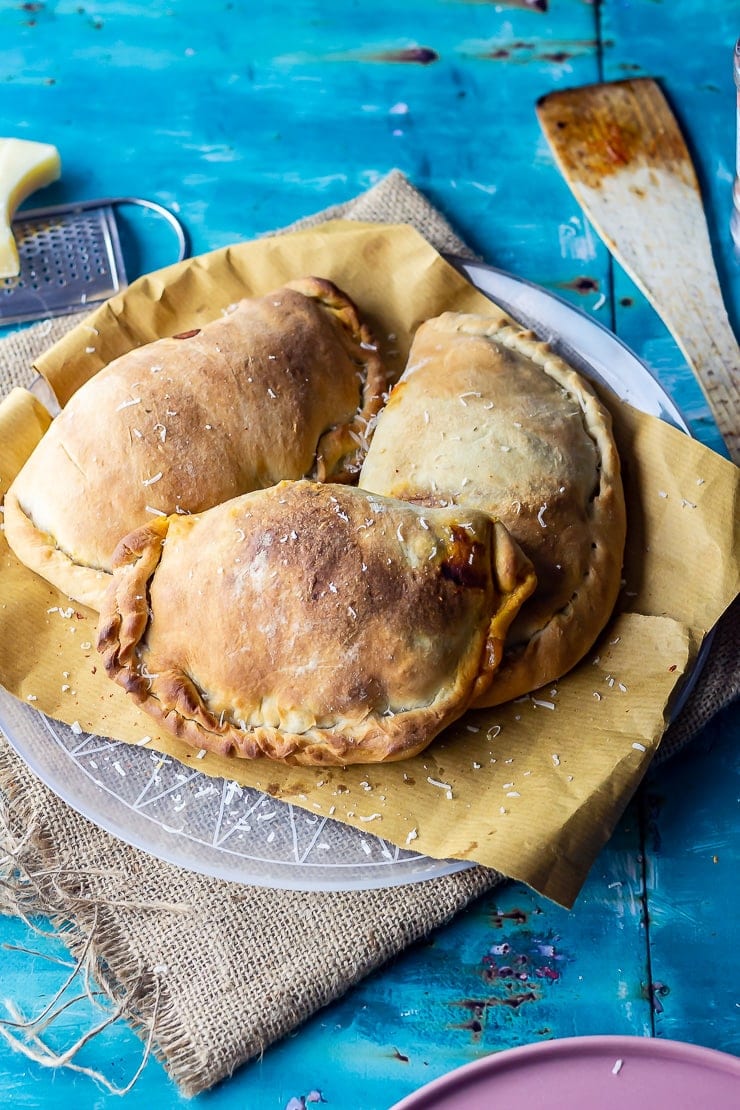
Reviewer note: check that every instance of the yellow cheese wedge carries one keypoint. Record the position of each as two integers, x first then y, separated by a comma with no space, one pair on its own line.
24,167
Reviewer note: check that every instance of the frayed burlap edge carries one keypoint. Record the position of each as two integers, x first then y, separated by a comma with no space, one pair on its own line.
34,882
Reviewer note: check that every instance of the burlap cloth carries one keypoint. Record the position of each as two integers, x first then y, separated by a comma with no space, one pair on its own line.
212,972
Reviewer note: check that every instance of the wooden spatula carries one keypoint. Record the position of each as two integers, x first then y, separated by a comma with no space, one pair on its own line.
621,151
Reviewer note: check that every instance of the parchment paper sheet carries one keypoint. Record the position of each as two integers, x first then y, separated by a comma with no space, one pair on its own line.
533,788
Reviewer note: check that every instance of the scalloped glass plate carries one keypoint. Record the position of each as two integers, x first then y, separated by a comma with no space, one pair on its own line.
221,829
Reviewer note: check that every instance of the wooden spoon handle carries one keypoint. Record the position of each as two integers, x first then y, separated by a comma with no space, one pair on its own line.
620,149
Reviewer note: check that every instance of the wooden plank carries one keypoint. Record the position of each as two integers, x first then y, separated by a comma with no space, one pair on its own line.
692,902
250,119
619,146
692,826
701,91
512,970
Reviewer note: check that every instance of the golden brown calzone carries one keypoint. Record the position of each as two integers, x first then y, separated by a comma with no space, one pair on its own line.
311,623
279,386
487,417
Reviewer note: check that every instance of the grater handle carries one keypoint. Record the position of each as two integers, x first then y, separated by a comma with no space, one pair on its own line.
170,217
54,280
117,202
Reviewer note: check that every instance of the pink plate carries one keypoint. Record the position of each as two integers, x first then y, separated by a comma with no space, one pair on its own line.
581,1073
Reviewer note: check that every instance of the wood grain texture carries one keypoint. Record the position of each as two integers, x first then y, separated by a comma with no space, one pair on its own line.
620,148
690,876
700,89
243,117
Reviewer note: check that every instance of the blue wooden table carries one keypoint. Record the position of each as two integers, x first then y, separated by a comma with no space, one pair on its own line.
242,117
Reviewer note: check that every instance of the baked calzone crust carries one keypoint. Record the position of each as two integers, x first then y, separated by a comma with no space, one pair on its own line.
281,386
487,417
311,623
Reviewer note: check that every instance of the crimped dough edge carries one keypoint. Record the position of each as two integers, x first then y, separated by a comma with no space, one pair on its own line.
570,632
174,701
563,641
340,449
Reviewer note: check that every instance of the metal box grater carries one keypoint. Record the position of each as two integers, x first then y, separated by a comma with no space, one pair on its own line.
70,258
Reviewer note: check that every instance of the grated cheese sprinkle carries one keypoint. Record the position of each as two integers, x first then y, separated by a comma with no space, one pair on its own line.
442,786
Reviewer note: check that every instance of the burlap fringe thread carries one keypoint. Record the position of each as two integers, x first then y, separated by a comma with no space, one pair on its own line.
28,890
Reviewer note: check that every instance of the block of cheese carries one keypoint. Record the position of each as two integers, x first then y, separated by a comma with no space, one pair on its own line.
25,166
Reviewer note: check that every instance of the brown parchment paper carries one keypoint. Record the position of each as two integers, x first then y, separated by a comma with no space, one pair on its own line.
532,788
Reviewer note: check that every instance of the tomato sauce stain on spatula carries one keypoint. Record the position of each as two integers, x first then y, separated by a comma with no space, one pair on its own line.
621,151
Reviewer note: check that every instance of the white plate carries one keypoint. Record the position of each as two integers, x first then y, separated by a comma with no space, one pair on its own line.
221,829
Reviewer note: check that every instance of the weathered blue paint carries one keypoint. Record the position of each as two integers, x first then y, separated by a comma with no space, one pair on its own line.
243,117
692,889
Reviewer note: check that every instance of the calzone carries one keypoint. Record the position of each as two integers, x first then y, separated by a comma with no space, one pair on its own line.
486,417
311,623
280,386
